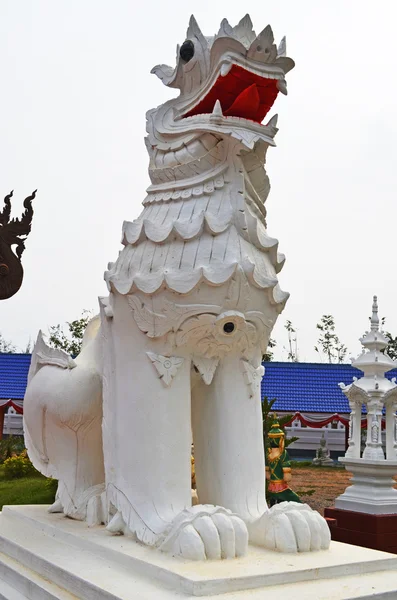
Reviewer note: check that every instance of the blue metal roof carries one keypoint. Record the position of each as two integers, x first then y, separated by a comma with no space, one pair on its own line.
13,375
298,387
309,387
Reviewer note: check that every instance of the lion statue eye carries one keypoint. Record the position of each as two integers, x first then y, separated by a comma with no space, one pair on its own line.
228,327
186,51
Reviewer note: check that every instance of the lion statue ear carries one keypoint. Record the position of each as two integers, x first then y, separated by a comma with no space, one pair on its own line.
194,47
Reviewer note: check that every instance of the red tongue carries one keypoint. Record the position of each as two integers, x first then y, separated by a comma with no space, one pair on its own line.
246,105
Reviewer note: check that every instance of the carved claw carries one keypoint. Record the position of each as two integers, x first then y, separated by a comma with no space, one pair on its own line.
291,527
117,525
56,507
206,532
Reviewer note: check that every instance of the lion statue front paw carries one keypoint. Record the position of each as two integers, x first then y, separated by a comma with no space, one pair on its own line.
206,532
291,527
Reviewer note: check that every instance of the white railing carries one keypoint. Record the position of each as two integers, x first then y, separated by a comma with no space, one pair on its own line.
309,438
13,423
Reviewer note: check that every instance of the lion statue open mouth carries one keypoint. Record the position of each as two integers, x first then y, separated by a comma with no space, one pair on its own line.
193,297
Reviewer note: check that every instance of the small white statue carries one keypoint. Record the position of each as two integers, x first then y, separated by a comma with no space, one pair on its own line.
323,456
193,298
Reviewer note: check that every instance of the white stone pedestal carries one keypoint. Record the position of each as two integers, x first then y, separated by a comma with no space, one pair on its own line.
47,556
372,490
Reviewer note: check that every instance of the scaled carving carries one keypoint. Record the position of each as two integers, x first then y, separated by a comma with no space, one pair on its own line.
193,297
166,366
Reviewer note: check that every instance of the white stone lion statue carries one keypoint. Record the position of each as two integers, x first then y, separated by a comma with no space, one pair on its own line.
177,349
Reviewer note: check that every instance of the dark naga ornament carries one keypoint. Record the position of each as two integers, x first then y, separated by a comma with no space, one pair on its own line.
13,233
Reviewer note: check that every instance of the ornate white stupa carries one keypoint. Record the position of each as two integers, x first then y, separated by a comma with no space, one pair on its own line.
375,391
373,487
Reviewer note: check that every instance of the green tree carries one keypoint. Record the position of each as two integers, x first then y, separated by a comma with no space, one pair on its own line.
292,342
328,342
268,356
71,341
6,347
267,421
29,347
391,349
9,446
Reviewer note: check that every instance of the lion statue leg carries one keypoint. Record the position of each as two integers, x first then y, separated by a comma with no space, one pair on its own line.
148,478
62,421
230,463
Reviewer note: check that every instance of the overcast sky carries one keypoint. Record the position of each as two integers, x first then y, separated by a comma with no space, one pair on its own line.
76,84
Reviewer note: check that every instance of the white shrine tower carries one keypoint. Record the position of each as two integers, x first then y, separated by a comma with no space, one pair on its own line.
373,485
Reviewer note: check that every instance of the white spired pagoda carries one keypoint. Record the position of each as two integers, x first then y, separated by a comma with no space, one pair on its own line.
373,485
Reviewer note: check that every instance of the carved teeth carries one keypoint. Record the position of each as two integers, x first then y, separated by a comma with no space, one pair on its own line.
282,86
217,110
272,122
225,68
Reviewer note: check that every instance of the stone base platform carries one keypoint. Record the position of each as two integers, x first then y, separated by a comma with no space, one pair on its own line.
372,488
47,556
361,529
